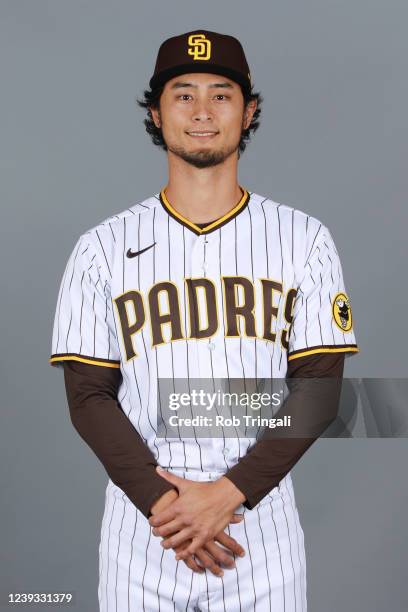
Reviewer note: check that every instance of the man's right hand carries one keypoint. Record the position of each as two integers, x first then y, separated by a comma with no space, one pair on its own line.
211,555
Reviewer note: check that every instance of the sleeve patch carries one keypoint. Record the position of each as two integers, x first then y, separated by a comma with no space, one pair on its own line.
341,310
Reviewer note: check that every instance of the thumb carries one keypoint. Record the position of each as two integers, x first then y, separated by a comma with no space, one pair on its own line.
176,480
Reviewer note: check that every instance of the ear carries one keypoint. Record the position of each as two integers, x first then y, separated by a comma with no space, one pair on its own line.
155,112
249,112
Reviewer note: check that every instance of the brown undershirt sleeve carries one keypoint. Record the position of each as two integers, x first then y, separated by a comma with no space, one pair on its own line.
271,457
100,421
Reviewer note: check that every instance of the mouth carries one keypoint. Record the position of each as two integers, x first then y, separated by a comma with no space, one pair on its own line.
198,134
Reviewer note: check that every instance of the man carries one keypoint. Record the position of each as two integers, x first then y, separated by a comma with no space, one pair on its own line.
204,279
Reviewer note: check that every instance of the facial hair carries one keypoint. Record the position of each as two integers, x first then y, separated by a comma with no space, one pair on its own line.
204,158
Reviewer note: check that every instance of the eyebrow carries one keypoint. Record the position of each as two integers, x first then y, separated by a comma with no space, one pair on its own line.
180,84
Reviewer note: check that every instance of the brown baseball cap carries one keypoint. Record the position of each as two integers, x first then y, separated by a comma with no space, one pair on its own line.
201,51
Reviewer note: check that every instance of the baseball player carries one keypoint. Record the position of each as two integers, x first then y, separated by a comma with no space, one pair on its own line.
205,279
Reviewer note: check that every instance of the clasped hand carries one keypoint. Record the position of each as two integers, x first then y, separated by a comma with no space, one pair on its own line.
201,511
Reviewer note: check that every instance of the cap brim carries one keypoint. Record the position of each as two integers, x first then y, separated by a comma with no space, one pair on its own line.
165,75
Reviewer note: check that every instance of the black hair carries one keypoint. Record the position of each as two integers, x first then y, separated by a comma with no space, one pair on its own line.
152,99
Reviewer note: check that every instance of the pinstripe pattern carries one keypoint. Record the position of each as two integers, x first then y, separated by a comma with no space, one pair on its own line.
265,240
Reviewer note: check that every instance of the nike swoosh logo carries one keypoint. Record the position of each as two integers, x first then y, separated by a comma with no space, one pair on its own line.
130,253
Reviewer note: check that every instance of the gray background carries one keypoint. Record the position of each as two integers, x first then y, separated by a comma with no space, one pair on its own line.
332,142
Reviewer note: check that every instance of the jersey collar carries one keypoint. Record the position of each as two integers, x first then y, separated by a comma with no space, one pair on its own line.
243,202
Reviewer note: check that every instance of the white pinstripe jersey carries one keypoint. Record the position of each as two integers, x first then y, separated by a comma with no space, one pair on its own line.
237,299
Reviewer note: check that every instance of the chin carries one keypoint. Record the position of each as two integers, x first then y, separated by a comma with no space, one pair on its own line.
204,155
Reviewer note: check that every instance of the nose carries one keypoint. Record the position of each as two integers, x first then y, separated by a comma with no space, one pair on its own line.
201,111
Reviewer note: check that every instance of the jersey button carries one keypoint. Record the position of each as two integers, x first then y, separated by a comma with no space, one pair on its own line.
211,346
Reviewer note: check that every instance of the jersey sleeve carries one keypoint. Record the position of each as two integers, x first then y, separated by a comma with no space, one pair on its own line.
84,327
322,317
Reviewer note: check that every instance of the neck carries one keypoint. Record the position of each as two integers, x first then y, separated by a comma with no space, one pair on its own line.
202,194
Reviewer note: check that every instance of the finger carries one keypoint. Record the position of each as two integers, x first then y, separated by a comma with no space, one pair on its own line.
192,548
190,561
229,543
168,528
177,539
182,546
193,565
170,477
208,562
163,517
236,518
221,556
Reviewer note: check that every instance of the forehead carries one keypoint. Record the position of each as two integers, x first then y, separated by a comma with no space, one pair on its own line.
200,80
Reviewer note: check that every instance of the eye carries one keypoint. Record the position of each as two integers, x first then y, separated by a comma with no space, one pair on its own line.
222,96
183,96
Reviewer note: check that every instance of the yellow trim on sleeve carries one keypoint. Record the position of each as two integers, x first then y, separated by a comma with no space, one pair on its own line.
105,364
343,349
